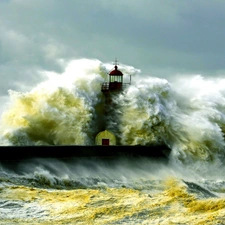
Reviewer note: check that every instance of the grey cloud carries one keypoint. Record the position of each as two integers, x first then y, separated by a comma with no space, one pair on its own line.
151,35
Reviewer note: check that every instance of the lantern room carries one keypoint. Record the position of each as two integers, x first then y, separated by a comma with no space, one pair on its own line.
115,80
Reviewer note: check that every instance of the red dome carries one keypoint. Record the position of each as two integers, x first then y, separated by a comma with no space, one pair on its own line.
116,72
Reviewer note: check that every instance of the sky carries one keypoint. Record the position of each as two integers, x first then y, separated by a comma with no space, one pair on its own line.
162,38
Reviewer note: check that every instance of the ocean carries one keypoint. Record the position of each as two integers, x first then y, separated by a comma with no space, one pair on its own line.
187,115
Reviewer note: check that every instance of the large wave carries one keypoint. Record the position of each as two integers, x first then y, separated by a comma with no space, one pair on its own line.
188,115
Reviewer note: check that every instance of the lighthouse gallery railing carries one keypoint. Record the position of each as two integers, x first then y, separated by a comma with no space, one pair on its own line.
105,86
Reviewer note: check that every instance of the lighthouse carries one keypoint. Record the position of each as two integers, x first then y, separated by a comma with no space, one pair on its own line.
113,86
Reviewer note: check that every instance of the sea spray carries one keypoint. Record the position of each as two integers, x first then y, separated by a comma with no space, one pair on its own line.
145,112
56,112
188,115
199,122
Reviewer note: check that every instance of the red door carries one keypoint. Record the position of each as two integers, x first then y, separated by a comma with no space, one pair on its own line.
105,141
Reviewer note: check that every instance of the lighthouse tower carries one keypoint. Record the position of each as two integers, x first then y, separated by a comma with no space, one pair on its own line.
111,89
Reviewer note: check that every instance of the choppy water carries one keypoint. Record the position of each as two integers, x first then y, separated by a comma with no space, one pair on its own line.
188,115
121,191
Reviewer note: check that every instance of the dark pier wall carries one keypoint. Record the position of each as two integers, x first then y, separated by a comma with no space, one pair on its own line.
26,152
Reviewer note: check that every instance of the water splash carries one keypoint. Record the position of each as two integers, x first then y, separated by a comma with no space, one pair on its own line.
188,115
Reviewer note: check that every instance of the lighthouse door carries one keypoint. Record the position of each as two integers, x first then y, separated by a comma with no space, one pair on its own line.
105,141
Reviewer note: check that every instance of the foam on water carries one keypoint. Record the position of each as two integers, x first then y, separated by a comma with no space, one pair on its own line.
121,191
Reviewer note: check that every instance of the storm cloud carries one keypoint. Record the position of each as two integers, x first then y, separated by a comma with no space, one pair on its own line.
162,38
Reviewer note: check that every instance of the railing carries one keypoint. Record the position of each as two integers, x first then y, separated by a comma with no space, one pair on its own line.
125,85
105,86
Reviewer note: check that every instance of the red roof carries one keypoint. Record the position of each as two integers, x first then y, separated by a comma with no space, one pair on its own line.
116,72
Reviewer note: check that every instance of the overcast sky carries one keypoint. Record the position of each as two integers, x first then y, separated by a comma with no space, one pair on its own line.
162,38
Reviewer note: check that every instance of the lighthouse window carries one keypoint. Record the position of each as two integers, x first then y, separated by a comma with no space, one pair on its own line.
115,78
